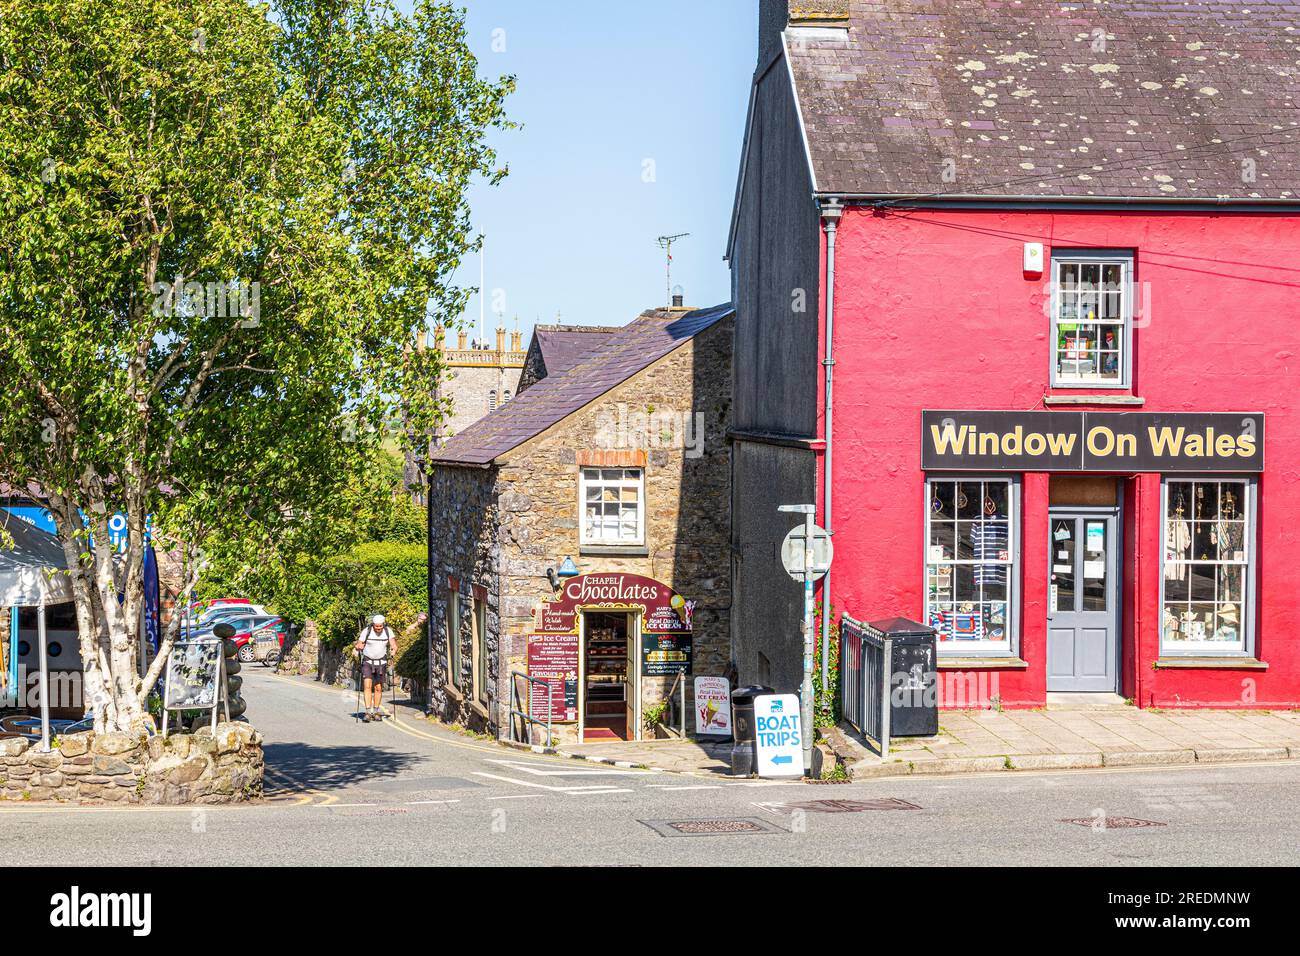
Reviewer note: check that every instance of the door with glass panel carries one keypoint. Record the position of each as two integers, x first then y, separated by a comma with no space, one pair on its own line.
1083,601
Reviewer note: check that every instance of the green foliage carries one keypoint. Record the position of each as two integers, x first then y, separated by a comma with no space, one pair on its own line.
386,578
826,700
152,154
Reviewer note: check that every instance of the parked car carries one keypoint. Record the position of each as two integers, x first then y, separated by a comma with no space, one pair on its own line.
243,623
252,642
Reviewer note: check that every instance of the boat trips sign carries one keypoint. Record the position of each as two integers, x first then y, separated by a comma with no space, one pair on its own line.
1093,441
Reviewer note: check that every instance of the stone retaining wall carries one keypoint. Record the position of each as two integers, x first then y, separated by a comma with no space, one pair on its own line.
203,767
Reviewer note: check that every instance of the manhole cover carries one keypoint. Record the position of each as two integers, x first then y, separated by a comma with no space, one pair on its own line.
1113,823
739,826
852,806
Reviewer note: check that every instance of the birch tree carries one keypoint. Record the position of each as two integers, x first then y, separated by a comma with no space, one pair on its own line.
223,226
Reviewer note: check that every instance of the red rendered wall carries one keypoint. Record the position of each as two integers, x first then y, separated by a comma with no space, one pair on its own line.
932,310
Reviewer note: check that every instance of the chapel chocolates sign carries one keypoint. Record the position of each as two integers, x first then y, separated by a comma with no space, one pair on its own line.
1167,442
662,608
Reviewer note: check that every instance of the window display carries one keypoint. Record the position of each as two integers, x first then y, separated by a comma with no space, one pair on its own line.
1207,564
970,563
1091,313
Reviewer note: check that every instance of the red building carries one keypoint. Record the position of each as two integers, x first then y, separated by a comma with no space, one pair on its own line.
1055,415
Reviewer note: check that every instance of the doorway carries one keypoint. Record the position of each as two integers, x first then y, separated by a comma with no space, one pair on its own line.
1083,634
608,708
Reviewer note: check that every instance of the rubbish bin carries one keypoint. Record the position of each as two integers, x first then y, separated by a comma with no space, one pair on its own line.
913,677
744,750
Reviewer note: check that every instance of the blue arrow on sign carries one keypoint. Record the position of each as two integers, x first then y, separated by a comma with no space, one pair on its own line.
786,759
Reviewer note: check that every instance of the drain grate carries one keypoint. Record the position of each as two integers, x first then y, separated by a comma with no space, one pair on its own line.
736,826
1112,823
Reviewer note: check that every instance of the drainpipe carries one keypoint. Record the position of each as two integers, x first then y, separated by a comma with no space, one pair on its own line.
831,212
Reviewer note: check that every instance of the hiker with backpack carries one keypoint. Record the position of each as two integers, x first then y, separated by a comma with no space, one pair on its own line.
376,644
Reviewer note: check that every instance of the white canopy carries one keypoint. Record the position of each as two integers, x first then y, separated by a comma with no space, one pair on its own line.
32,571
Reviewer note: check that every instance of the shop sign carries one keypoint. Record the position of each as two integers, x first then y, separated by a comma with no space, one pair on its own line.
665,655
778,736
554,659
662,609
712,707
1165,442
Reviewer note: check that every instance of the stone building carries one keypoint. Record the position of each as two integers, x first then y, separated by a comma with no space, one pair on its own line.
478,380
557,348
580,532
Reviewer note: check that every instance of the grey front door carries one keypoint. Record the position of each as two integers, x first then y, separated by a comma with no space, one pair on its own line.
1083,600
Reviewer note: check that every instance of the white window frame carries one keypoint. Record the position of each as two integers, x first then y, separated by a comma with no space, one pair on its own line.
584,483
478,648
1009,647
454,662
1101,257
1248,573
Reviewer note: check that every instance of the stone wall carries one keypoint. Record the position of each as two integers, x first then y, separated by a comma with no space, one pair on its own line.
501,528
464,546
203,767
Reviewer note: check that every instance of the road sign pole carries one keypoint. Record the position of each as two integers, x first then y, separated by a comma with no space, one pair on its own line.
806,696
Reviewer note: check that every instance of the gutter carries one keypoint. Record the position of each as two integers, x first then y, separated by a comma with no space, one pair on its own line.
831,212
1042,201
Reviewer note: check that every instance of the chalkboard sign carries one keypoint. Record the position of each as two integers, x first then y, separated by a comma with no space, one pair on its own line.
193,669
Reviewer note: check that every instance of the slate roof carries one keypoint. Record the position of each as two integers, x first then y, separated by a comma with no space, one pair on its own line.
1160,99
563,346
625,352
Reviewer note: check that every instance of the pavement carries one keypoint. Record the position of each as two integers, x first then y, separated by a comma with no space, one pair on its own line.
987,740
409,792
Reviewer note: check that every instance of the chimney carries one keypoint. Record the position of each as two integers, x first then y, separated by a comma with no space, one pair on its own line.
439,337
461,336
516,341
775,15
501,340
677,300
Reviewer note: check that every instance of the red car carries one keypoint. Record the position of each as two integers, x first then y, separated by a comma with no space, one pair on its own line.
260,633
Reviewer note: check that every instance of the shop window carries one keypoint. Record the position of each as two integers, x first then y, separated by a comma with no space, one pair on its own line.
453,638
613,510
1208,566
972,564
479,647
1092,319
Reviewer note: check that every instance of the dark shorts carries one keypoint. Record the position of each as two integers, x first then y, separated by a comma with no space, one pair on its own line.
373,670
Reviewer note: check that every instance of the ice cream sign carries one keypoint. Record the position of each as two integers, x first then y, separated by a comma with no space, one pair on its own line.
662,609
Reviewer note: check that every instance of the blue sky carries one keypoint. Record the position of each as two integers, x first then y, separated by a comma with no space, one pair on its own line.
633,115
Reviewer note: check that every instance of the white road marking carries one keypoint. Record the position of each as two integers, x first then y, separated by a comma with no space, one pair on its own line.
561,772
420,803
518,796
331,806
664,786
539,786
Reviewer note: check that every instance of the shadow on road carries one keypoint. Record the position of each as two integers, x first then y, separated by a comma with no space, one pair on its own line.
329,768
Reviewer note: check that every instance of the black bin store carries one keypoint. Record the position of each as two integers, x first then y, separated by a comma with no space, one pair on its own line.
914,679
744,749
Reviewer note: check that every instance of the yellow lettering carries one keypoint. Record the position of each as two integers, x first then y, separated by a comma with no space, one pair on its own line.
1012,443
988,443
1035,443
1165,441
1246,446
1224,445
1101,440
1061,444
948,440
1195,446
1128,445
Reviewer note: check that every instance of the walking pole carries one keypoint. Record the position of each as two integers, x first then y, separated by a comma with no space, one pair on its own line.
356,679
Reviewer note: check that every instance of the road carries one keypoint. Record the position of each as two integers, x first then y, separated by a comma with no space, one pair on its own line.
342,792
